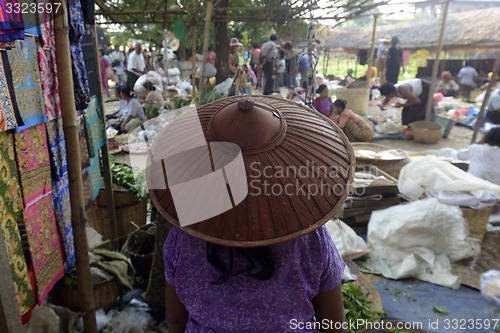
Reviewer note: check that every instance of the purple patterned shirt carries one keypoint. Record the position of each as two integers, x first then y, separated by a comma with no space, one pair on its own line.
304,267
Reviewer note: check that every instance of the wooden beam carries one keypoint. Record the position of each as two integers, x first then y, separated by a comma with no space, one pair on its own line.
71,131
372,49
435,65
140,12
493,82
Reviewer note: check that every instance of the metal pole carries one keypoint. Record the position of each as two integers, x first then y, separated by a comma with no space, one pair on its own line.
492,83
206,35
435,66
372,49
106,169
71,129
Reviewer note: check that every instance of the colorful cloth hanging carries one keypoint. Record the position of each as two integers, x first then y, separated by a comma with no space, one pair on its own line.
32,155
48,68
60,189
9,111
85,163
76,34
95,178
11,211
23,61
94,126
11,21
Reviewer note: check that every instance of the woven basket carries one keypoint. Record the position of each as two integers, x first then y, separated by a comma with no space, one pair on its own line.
128,209
477,220
105,294
357,98
392,167
426,131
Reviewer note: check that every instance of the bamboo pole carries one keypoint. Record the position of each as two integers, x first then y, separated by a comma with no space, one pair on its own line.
108,184
372,48
492,83
193,58
435,65
206,35
70,126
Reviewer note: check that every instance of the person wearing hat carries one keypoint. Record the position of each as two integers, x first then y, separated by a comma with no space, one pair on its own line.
234,58
268,264
267,57
382,52
394,60
447,86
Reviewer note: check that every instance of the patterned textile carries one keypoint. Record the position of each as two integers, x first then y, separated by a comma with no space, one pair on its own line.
9,111
11,24
76,34
23,60
85,163
95,178
94,126
80,81
48,69
33,161
7,45
60,189
11,211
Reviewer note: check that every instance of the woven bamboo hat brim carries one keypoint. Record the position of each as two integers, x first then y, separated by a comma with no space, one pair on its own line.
296,151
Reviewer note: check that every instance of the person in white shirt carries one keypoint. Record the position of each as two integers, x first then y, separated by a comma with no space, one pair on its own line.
493,107
136,66
467,77
133,114
484,157
117,57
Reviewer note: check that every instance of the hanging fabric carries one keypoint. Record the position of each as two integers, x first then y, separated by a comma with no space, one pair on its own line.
11,204
94,126
76,34
363,57
32,155
95,178
11,21
88,9
85,163
9,111
23,61
178,27
31,17
60,189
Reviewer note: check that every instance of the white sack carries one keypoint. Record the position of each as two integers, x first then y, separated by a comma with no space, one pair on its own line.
420,239
348,243
431,173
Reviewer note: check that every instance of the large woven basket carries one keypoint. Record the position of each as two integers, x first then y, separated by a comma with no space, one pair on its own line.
477,220
426,131
357,98
392,167
128,209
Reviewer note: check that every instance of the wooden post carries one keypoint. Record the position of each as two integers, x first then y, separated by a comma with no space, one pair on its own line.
372,48
492,83
193,58
71,129
10,320
356,67
327,61
106,169
206,35
435,65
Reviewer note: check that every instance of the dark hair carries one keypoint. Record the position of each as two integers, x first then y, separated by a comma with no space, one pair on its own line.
321,88
126,91
101,51
387,88
259,262
493,137
288,46
340,103
274,37
255,45
281,54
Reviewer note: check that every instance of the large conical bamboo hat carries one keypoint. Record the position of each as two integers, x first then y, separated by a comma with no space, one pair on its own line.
297,166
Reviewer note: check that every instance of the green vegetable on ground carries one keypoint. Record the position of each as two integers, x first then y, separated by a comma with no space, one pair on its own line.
439,310
357,305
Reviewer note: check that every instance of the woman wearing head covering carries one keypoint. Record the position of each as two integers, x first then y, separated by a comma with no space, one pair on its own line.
234,58
268,264
447,86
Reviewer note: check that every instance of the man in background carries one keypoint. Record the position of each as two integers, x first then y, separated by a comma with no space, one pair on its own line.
394,59
136,66
266,59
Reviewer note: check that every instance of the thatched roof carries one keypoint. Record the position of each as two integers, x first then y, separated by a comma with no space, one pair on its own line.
473,29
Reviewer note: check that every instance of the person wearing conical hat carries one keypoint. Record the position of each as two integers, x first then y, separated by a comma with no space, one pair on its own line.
268,264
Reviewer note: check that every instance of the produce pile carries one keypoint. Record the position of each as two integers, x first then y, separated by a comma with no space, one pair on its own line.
357,305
